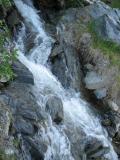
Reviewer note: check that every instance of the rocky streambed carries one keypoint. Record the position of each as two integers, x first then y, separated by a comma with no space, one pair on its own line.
60,117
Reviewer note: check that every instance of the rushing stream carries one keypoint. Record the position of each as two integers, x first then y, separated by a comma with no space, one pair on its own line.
76,110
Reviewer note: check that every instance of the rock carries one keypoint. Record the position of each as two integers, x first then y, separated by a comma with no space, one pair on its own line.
98,9
95,81
5,120
55,107
106,122
107,27
100,93
106,21
37,150
113,105
56,51
23,75
22,126
94,149
6,144
89,67
30,41
65,65
4,79
13,18
27,113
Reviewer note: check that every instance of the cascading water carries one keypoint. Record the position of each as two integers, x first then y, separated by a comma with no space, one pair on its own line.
76,110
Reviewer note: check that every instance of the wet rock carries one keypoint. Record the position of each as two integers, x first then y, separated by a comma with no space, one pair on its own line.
56,51
23,126
23,75
13,18
28,113
30,41
65,65
37,150
94,149
55,107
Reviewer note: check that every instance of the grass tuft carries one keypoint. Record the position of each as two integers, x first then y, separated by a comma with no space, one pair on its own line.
108,48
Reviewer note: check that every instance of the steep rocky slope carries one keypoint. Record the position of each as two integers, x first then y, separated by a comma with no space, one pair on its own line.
78,65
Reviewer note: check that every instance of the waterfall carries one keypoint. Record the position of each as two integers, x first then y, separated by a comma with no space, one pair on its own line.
76,110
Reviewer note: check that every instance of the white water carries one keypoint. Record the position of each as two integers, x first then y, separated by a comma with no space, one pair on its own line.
76,110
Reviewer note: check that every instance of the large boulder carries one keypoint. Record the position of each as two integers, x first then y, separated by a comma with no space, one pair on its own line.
23,126
94,149
95,81
37,150
64,57
107,21
13,18
23,75
54,106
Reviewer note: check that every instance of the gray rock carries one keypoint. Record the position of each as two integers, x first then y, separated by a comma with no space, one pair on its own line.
56,51
94,149
94,81
4,120
100,93
107,21
98,9
55,107
37,150
13,18
23,75
65,64
113,106
28,113
23,126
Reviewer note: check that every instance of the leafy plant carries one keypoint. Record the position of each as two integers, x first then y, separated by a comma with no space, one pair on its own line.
74,3
7,53
5,3
3,156
114,3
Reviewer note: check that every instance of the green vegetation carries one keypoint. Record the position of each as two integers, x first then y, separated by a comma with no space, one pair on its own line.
7,54
74,3
5,3
16,142
109,48
114,3
3,156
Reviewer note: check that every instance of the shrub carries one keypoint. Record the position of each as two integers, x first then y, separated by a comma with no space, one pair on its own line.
5,3
7,53
74,3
